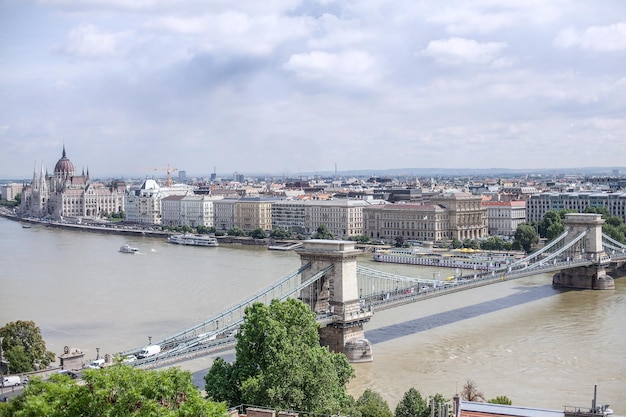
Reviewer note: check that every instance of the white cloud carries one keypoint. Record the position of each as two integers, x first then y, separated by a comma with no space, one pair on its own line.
460,51
353,67
487,16
234,32
611,38
87,41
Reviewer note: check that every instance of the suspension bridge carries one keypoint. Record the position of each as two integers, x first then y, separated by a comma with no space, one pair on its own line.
344,295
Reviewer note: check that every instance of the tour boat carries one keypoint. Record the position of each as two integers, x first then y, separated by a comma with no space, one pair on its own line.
193,240
128,249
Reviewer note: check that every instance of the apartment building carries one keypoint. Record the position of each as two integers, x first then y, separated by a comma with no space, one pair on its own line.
343,218
289,215
224,213
539,204
188,210
503,217
422,222
253,213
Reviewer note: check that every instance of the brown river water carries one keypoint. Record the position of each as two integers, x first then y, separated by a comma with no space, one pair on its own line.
539,346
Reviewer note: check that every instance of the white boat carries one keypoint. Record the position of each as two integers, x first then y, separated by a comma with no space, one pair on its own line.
128,249
193,240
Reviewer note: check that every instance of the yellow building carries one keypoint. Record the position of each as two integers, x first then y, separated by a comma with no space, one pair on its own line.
253,213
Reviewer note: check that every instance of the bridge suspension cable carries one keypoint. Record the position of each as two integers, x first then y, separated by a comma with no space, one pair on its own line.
541,251
226,319
614,244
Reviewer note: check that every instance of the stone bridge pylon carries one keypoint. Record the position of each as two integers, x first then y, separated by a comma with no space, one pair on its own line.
337,295
589,248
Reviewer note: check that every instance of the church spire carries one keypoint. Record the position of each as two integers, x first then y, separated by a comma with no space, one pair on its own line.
63,150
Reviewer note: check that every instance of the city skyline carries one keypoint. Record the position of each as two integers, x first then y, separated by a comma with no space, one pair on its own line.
298,87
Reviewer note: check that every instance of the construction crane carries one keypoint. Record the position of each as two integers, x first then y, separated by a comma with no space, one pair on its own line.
169,170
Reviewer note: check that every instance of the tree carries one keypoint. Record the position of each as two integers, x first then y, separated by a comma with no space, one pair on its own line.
235,231
435,402
525,237
372,404
501,399
323,233
258,233
412,405
204,230
114,391
456,243
471,393
280,364
399,241
360,238
280,233
22,339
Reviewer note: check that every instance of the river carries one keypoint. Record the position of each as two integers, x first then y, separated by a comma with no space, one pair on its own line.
539,346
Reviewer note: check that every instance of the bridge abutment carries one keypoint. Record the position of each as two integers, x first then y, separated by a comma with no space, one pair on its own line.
336,294
590,248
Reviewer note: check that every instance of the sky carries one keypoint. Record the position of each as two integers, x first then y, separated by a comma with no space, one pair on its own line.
131,87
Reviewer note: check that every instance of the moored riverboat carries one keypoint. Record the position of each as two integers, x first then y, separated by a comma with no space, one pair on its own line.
193,240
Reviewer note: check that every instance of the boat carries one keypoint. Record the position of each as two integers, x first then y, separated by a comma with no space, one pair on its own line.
193,240
26,225
128,249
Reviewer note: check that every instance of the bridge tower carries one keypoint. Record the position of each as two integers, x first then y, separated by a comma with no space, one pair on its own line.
337,295
589,248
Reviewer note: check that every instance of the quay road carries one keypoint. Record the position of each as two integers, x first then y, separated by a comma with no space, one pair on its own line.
106,228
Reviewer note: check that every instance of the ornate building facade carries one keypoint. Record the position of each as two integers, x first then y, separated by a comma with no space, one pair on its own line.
67,195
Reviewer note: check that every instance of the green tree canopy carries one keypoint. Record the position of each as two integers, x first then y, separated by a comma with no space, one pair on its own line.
501,399
235,231
372,404
258,233
360,238
323,233
412,404
525,237
280,364
24,346
551,226
114,391
280,233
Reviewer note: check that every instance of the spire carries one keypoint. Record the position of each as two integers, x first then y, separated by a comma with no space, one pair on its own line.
34,182
63,150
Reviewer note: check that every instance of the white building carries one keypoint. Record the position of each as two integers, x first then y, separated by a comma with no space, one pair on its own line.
143,205
9,191
539,204
503,217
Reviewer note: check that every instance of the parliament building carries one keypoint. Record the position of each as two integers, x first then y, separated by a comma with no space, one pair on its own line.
64,194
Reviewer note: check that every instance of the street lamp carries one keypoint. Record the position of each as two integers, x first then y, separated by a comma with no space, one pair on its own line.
149,340
97,353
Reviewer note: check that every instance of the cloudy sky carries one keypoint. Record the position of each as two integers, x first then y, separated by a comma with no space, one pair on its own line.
288,86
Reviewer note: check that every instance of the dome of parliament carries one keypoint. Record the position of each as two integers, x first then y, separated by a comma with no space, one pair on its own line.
64,166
